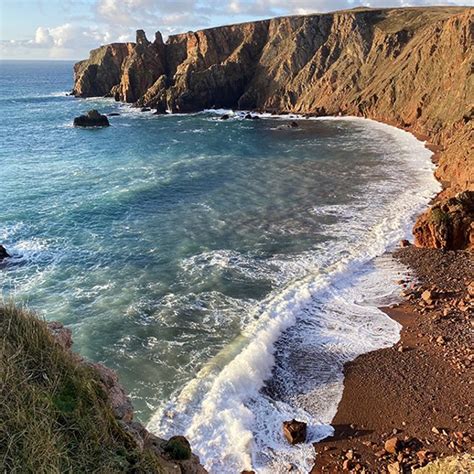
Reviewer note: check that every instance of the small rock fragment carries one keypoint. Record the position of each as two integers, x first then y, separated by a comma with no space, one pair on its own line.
392,445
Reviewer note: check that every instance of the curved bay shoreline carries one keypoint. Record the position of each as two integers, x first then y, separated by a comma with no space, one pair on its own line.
413,388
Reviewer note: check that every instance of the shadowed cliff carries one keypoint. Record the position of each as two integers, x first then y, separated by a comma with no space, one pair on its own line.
410,67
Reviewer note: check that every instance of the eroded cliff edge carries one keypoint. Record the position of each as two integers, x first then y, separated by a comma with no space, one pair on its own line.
410,67
61,413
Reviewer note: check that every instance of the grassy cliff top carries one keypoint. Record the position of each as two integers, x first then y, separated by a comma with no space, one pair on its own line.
54,414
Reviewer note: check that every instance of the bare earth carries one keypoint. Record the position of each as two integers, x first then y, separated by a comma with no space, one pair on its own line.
419,391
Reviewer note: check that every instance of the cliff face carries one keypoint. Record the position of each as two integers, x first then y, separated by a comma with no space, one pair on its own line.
410,67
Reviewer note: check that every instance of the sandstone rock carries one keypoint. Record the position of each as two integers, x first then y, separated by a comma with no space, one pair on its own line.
392,445
91,119
295,431
394,468
449,224
3,253
427,296
410,68
470,289
118,399
62,334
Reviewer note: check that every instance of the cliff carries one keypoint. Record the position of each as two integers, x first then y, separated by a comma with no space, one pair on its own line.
409,67
61,413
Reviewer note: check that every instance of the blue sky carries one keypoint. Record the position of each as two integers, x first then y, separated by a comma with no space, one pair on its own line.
68,29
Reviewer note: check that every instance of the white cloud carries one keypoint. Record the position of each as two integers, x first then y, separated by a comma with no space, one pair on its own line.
117,20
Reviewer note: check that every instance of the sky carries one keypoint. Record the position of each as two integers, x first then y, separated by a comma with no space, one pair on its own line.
69,29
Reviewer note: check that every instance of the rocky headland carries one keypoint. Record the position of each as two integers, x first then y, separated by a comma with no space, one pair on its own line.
409,67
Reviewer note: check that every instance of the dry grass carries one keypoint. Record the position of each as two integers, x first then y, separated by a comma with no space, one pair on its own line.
53,412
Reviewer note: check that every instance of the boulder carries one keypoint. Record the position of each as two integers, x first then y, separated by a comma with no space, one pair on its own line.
91,119
145,109
404,243
113,114
225,117
394,468
3,253
294,125
295,431
449,224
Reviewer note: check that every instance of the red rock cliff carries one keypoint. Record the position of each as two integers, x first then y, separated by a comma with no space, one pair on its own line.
410,67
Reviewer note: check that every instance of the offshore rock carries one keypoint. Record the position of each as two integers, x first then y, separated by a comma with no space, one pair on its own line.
91,119
3,253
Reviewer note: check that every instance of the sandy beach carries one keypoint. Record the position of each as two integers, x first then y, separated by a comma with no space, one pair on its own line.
418,391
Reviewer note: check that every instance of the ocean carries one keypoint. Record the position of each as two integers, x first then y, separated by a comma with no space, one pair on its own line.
225,269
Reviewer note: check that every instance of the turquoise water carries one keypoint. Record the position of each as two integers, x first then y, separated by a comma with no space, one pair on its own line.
169,243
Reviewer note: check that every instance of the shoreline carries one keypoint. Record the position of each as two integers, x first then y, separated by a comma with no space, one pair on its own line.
418,390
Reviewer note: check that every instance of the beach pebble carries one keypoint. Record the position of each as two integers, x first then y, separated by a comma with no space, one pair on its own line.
392,445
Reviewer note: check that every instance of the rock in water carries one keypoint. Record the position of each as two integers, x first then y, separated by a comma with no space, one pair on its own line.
3,253
294,125
294,431
91,119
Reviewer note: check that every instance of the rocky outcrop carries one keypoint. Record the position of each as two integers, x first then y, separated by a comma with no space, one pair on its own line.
91,119
410,67
448,224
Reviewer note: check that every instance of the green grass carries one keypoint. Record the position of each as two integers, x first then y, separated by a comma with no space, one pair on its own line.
54,415
439,217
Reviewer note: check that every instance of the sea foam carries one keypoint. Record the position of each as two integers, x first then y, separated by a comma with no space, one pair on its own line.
288,360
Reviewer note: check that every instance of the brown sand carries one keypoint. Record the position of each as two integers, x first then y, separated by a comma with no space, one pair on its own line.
421,389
